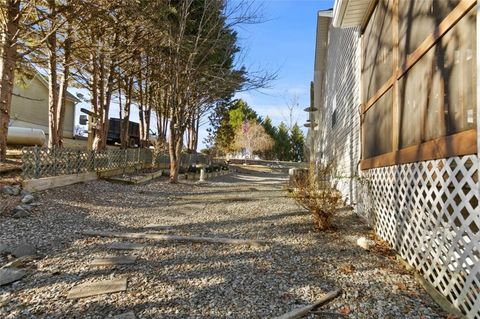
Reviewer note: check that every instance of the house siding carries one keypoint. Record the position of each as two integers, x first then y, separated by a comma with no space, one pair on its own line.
30,108
339,142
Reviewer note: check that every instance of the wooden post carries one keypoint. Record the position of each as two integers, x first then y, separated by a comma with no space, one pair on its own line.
202,175
396,112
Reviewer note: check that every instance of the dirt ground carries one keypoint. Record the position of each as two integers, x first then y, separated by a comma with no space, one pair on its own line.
172,279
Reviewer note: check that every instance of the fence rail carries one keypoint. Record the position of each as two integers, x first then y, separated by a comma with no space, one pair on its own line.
41,162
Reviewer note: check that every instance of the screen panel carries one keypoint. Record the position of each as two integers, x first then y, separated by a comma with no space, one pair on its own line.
437,96
417,20
459,52
377,65
378,127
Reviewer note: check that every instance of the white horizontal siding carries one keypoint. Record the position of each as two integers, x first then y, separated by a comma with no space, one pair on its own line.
340,143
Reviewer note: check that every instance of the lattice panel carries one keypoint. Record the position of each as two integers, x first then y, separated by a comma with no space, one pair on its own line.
429,212
40,162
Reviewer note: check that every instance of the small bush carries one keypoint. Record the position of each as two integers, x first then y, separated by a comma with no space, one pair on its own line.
318,196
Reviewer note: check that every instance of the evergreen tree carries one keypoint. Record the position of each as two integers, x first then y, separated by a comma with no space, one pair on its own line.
282,143
225,120
239,112
297,142
271,130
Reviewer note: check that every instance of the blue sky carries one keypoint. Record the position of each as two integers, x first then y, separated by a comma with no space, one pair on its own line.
284,43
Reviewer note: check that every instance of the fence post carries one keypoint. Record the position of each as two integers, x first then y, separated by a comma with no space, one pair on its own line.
125,154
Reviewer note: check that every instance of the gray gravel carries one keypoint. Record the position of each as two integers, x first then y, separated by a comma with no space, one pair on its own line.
185,280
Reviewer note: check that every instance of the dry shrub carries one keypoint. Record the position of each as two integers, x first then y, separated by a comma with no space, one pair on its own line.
317,195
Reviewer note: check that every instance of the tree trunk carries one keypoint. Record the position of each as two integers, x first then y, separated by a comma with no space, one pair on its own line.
52,88
62,96
106,83
99,140
124,137
105,96
175,142
148,112
7,70
195,145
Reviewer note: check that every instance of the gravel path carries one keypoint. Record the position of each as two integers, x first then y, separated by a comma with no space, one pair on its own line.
185,280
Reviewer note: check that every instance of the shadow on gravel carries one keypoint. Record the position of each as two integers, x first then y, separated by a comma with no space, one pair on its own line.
202,278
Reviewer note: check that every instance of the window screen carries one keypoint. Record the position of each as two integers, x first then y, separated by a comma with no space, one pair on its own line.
437,96
417,20
378,127
377,65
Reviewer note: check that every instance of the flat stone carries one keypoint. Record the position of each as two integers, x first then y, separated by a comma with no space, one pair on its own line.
125,246
9,275
126,315
20,213
24,250
4,249
7,190
24,193
28,199
98,288
365,243
27,208
11,190
113,260
20,262
157,226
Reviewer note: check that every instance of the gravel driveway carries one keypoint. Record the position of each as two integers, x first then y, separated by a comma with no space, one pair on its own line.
194,280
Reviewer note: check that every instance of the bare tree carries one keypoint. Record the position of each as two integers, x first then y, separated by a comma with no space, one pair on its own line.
12,26
292,104
253,138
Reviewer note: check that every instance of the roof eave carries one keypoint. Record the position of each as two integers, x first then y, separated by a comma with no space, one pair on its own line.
351,13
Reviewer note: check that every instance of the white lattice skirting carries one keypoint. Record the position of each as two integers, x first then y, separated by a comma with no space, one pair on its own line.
429,212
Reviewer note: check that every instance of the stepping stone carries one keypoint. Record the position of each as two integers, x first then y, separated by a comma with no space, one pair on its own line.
113,260
157,227
125,246
98,288
24,250
9,275
19,262
126,315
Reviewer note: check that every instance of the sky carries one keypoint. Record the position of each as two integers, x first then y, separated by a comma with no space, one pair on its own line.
284,44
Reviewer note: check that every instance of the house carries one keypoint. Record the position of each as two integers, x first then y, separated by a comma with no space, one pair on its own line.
30,106
395,109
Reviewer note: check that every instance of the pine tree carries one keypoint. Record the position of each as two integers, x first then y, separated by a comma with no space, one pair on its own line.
271,130
297,142
239,112
225,120
282,143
